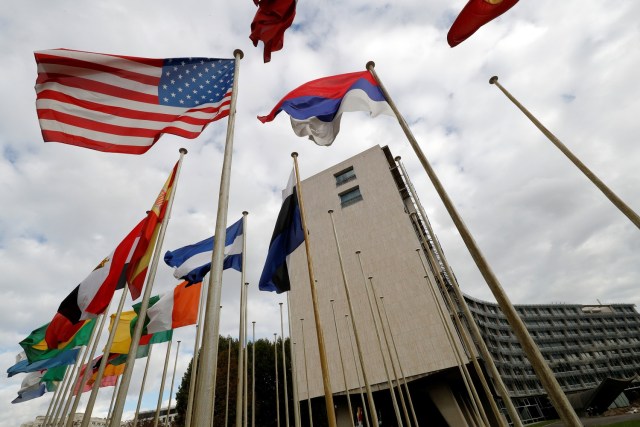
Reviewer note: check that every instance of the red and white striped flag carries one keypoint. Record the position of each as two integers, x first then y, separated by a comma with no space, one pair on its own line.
124,104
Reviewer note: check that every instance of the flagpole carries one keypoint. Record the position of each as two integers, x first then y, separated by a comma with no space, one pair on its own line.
86,419
294,371
395,348
275,351
95,335
66,379
253,378
156,417
240,373
531,350
471,324
380,346
293,348
355,365
144,304
462,331
468,382
372,405
144,381
216,332
388,347
344,372
246,357
284,369
113,396
175,365
194,361
85,377
324,366
226,406
203,415
306,374
53,397
617,201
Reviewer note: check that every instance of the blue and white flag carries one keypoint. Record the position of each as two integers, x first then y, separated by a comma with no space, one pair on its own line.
194,261
287,236
31,387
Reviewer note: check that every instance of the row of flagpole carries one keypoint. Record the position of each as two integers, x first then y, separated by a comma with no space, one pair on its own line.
201,398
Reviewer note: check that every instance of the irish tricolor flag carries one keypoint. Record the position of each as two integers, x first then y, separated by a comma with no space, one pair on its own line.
174,309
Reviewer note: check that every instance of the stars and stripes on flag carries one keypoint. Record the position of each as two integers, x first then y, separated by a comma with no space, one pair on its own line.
474,15
316,107
124,104
193,262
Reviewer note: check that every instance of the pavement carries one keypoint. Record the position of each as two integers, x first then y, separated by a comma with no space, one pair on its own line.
601,421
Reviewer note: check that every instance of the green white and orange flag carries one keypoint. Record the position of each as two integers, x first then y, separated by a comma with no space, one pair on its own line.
172,310
143,252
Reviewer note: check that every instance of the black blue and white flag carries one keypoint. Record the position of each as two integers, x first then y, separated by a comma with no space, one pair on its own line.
287,236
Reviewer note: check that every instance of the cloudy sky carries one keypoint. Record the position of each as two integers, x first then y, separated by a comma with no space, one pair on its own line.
549,234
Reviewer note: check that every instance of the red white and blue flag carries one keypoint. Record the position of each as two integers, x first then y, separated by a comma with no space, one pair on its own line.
124,104
316,107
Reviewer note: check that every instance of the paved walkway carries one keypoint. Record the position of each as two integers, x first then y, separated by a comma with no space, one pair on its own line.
601,421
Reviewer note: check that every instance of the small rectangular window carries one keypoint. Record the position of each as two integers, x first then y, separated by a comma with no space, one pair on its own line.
344,176
350,197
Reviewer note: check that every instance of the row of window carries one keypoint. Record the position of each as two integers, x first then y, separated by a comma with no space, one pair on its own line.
352,195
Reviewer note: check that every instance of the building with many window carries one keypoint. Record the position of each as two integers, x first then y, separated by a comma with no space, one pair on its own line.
386,248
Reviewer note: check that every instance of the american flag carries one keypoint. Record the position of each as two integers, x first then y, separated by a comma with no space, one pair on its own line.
124,104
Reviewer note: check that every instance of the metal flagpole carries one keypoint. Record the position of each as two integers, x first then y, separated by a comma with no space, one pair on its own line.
175,364
86,419
246,357
297,401
242,329
617,201
395,348
226,400
355,365
396,409
85,377
344,372
372,405
144,304
205,387
324,366
53,397
144,381
240,373
284,369
113,397
275,360
475,399
194,361
294,371
388,347
531,350
306,375
156,417
67,379
253,378
471,324
95,336
455,314
216,332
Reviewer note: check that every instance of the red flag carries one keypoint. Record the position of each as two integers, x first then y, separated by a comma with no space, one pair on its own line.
93,295
137,270
271,21
474,15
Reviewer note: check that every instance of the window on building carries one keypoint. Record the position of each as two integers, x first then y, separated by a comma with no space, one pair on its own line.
350,197
344,176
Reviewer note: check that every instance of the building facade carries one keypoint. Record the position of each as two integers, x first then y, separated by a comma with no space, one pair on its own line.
385,245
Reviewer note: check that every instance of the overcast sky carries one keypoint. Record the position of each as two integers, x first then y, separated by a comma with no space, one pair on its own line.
548,233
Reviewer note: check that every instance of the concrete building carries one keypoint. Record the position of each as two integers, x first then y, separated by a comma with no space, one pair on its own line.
370,214
593,350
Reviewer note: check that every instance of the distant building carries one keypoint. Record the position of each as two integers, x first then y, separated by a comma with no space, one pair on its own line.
77,419
375,213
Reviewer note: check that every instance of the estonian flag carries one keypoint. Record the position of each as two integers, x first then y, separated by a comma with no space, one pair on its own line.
194,261
287,236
